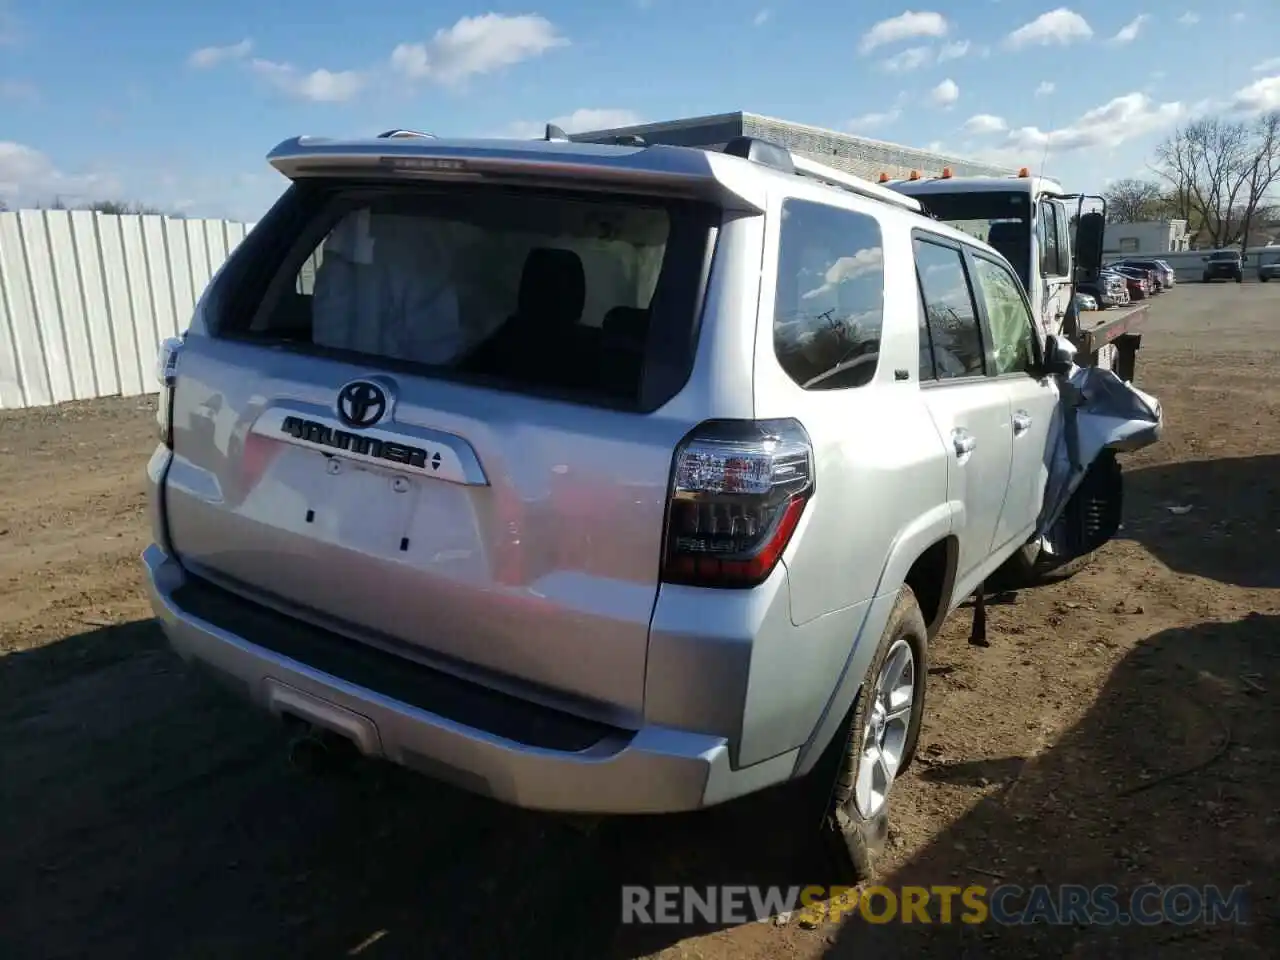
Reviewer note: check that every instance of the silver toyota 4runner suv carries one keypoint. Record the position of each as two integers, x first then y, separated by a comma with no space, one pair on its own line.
611,478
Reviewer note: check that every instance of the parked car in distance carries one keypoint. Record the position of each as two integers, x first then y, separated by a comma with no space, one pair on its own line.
1162,271
1085,301
1153,274
1138,281
1223,265
1269,269
1170,275
1109,289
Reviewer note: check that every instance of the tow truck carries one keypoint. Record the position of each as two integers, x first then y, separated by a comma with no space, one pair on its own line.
1052,243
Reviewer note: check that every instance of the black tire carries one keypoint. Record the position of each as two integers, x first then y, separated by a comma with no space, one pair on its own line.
863,838
1031,567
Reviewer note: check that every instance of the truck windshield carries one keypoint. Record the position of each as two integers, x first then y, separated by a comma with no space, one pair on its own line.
1001,218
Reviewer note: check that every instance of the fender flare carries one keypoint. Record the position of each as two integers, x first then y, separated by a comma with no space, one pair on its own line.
911,542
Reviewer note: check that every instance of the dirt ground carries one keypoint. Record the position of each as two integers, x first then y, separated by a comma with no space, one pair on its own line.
1123,727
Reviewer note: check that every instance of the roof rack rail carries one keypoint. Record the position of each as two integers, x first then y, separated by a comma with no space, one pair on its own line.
399,134
780,158
853,183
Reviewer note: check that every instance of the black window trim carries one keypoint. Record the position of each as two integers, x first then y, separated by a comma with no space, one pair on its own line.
928,236
973,254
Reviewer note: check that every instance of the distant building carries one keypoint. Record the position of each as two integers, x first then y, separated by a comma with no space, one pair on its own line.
1150,237
858,155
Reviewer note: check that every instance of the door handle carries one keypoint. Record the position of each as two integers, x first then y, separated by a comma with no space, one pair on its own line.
1021,423
964,443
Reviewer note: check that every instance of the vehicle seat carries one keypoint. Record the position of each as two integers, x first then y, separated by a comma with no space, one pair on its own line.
542,341
1010,241
625,333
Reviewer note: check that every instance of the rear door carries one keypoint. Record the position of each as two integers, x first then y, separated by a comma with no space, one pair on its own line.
1033,396
969,407
425,417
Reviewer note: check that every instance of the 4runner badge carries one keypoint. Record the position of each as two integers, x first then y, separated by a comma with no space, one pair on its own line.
323,435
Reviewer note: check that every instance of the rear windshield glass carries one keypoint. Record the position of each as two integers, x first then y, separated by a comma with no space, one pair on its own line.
1224,255
556,293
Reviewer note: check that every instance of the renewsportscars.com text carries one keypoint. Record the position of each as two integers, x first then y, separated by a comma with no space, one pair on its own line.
1006,904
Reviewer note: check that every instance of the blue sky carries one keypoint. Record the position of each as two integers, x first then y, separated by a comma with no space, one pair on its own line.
175,104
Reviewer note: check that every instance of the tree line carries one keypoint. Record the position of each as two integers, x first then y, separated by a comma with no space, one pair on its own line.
1222,176
117,207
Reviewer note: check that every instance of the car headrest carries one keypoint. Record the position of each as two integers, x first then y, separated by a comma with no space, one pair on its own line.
1005,234
553,286
626,325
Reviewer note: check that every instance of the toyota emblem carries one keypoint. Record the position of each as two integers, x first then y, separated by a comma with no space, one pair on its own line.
361,403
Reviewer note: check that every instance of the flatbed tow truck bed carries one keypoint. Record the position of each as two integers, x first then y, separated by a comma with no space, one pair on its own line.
1117,325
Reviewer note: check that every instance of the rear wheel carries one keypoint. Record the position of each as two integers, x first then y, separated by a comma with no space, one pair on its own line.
857,773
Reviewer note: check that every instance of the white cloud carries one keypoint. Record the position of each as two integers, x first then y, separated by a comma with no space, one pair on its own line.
1237,17
1124,118
580,121
870,121
476,45
1129,32
1261,96
983,123
912,58
28,177
1266,66
318,86
207,57
945,93
848,268
905,26
1189,19
1060,26
760,18
1045,88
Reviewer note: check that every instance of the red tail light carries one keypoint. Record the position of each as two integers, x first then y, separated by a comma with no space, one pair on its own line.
738,489
167,374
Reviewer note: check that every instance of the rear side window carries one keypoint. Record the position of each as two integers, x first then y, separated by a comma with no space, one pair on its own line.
955,340
828,310
547,292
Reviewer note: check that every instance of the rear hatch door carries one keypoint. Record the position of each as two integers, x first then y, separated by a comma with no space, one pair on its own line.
436,416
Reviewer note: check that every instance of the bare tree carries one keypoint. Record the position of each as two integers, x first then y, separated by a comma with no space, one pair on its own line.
1263,172
1132,201
1219,172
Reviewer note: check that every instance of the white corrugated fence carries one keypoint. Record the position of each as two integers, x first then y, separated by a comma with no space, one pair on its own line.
86,298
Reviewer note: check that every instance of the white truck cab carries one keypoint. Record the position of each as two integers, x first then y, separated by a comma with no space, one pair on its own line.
1033,221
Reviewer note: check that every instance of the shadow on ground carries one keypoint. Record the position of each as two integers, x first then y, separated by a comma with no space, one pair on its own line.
146,812
1233,502
1170,778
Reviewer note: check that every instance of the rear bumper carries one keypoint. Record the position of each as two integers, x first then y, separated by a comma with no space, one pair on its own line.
563,764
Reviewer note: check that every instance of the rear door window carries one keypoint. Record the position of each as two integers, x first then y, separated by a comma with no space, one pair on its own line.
955,337
545,292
